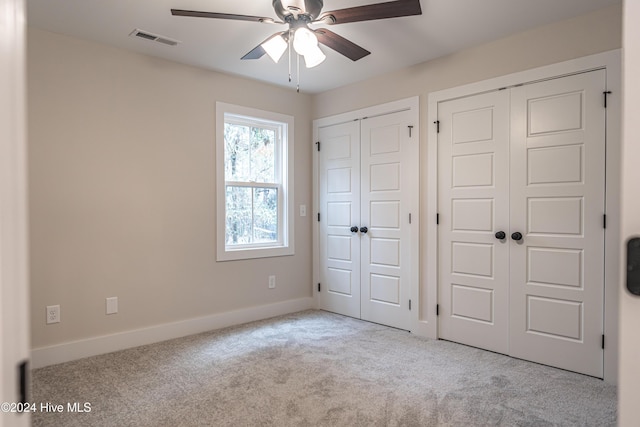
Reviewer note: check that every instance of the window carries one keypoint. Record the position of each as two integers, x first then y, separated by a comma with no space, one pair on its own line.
254,160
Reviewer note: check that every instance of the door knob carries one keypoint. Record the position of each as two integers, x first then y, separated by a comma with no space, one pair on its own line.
500,235
354,229
364,229
516,236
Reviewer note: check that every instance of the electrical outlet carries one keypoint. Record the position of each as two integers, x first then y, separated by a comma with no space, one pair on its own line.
272,282
303,210
112,305
53,314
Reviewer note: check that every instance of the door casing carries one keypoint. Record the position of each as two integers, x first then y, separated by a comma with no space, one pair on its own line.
14,299
550,188
609,61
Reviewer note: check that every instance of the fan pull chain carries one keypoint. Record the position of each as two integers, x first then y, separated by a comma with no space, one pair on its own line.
290,48
298,72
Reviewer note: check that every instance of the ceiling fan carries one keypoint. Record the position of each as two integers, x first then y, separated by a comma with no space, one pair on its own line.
298,14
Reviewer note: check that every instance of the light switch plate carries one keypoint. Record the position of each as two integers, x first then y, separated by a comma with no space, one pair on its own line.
112,305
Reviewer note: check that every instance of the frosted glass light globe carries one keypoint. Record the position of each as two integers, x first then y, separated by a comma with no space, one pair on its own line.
304,41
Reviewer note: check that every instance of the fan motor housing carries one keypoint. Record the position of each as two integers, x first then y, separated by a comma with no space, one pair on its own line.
288,8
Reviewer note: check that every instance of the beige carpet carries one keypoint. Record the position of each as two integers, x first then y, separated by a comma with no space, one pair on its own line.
318,369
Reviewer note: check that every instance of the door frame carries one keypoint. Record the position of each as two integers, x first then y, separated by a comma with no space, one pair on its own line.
408,104
609,61
14,308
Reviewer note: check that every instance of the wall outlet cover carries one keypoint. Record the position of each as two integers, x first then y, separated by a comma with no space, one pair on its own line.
53,314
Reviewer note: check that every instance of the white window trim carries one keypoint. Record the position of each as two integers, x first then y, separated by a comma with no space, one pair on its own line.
286,226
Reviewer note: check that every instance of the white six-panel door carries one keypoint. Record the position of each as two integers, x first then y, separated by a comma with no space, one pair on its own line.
339,183
557,204
388,179
473,151
367,178
527,160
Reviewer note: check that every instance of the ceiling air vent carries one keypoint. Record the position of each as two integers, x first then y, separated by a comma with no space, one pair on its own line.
153,37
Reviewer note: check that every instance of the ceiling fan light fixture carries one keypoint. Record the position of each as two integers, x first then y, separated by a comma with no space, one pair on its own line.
275,47
304,41
299,14
314,57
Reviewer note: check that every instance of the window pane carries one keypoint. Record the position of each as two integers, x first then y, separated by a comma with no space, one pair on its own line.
263,142
239,218
237,152
253,157
265,204
251,219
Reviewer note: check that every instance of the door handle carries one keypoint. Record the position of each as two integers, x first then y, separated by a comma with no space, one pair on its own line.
364,230
354,229
500,235
517,236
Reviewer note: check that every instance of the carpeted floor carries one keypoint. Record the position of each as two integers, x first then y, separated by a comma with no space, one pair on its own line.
317,369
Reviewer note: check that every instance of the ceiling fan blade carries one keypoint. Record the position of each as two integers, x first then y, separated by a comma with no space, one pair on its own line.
340,44
258,51
391,9
196,14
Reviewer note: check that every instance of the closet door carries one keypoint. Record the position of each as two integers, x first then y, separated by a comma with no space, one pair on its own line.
473,173
368,178
388,182
339,181
557,204
529,161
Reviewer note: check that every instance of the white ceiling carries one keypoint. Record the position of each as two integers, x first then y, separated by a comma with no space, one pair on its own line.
444,27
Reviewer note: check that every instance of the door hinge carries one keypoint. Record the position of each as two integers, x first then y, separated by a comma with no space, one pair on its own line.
604,221
318,216
409,218
318,287
437,309
410,129
409,305
437,123
22,381
318,144
437,219
606,92
603,341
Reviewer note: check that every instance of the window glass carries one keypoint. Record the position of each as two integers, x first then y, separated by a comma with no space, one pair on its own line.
256,206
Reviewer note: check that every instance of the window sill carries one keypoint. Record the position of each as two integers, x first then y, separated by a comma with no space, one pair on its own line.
240,254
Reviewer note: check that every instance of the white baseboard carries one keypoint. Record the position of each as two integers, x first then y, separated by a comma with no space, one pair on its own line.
60,353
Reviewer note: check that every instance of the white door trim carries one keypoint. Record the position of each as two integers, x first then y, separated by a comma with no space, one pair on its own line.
611,61
412,104
14,326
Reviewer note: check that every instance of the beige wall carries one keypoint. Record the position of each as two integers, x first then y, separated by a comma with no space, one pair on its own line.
121,170
629,378
122,191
